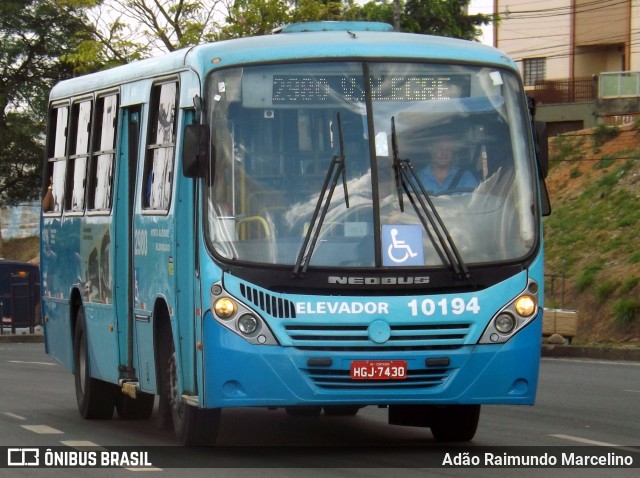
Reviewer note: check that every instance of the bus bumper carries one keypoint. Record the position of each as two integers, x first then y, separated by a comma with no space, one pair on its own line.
238,374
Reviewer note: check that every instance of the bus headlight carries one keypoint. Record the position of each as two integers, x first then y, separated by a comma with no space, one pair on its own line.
505,323
239,317
247,324
513,316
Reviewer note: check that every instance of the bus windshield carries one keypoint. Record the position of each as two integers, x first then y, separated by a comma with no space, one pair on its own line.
279,130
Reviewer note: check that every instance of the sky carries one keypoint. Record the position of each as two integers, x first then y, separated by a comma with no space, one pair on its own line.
483,6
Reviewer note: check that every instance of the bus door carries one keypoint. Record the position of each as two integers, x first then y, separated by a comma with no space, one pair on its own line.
131,126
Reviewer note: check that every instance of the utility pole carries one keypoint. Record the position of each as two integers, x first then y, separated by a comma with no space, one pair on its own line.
396,15
1,241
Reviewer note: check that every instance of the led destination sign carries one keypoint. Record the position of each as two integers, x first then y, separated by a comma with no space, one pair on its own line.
313,89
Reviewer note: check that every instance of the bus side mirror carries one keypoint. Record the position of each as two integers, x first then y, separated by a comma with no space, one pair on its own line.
542,147
542,154
195,151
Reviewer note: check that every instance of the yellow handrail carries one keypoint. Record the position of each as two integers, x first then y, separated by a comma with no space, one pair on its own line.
242,230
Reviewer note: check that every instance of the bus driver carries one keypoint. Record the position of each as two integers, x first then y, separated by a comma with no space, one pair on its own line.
441,174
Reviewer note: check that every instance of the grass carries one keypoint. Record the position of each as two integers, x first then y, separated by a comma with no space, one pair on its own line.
604,133
23,250
588,276
592,232
625,310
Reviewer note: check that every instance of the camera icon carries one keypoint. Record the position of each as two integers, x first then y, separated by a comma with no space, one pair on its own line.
23,457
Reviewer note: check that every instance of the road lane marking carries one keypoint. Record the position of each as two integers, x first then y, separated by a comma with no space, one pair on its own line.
82,444
13,415
42,429
586,441
632,391
30,363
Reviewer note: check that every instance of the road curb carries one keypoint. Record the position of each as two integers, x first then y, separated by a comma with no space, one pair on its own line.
599,353
22,339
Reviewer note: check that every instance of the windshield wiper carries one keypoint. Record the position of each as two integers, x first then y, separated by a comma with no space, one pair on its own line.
409,182
337,169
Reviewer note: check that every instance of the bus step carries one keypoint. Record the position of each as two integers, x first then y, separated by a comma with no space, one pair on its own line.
190,400
130,389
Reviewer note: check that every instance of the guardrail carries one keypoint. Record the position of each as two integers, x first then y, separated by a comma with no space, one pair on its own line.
564,90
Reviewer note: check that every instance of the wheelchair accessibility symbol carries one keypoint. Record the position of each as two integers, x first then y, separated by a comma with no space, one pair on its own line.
402,245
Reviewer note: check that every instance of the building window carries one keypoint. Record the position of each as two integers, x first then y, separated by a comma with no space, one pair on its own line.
535,70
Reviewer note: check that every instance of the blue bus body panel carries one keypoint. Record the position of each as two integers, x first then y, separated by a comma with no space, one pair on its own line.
340,44
77,259
494,374
58,338
237,373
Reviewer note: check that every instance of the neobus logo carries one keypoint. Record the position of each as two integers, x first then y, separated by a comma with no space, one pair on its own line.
365,280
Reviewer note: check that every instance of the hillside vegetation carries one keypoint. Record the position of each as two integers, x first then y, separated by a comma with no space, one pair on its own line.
23,250
592,237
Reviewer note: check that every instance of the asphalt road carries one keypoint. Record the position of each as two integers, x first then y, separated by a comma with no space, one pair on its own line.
580,403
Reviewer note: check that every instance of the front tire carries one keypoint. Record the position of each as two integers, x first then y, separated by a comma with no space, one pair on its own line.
455,423
192,426
448,423
95,398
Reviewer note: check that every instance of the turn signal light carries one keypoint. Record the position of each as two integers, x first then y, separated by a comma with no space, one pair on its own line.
526,305
225,308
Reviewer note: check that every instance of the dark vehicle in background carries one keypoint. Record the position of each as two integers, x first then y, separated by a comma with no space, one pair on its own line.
19,296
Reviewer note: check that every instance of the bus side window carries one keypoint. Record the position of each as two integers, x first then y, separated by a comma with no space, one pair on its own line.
103,153
78,153
158,170
56,159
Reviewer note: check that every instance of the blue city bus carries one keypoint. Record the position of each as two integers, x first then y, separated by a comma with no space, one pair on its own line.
329,217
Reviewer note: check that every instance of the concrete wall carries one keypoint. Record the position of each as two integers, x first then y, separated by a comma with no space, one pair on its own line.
20,221
568,112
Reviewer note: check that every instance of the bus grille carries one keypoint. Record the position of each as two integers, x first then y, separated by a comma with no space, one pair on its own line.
341,379
272,305
345,338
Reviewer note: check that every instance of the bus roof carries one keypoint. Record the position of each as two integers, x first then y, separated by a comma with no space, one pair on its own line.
293,44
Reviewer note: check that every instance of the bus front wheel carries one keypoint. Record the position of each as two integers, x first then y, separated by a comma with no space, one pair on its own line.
192,426
448,423
95,397
455,423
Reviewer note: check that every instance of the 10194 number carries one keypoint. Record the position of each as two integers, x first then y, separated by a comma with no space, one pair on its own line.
455,306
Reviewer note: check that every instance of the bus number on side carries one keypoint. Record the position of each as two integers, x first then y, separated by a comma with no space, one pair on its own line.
140,246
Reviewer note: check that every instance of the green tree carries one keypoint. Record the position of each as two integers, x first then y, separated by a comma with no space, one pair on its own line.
375,11
442,17
255,17
34,36
173,24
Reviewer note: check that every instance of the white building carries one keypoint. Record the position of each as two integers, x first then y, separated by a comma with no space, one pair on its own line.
563,47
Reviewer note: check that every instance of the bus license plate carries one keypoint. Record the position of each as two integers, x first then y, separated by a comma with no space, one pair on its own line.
378,370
